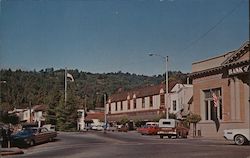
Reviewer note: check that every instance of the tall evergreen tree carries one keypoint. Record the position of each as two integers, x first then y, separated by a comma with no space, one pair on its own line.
67,114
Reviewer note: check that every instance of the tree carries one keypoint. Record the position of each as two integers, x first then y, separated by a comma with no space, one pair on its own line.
6,118
194,118
67,114
124,120
53,102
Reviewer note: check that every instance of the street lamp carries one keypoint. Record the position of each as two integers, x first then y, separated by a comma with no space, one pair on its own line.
105,112
166,98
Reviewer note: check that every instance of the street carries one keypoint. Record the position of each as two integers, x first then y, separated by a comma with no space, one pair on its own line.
131,144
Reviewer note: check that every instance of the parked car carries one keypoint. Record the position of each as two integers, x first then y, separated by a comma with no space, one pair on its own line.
111,128
148,130
172,128
239,136
98,128
50,127
122,128
32,136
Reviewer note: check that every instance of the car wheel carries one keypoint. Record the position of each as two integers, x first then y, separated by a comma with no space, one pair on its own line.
51,139
169,137
240,139
32,143
161,136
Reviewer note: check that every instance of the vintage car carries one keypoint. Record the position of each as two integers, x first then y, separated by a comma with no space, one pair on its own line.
148,130
122,128
172,128
239,136
32,136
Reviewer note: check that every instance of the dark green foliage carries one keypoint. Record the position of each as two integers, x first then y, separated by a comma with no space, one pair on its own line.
172,116
124,120
13,119
47,87
193,118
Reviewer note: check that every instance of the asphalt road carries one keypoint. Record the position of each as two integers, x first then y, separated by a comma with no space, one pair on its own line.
132,145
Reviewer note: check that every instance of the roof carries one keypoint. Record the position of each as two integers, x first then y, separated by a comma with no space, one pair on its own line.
216,64
141,92
94,115
39,107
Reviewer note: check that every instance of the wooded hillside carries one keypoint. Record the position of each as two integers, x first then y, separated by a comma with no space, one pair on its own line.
22,87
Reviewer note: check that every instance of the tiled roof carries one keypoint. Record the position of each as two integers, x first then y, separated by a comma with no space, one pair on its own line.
141,92
95,115
39,107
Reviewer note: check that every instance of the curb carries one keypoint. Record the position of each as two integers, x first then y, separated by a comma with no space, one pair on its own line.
10,151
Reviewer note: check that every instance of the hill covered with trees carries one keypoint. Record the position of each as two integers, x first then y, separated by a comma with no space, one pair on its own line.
21,88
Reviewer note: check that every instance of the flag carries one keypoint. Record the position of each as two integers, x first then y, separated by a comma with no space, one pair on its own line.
214,111
215,99
71,77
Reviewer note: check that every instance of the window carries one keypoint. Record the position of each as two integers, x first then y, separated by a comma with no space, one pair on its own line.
109,107
134,102
115,106
128,104
151,101
174,105
143,102
166,123
210,110
162,98
121,106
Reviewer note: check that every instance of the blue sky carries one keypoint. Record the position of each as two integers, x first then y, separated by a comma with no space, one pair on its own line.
117,35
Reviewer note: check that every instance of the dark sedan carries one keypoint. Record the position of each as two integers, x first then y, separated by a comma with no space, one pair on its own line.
32,136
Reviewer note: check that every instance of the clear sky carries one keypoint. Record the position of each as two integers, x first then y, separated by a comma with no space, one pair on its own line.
117,35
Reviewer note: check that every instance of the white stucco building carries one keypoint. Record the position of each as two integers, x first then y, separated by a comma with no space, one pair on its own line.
178,99
81,119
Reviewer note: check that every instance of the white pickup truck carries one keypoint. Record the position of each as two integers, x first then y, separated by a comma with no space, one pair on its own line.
172,127
239,136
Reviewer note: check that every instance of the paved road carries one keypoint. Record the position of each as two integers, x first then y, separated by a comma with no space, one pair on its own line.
132,145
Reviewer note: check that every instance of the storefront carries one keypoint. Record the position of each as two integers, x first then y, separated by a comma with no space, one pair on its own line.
226,76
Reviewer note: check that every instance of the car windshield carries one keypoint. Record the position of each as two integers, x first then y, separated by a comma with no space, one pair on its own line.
27,131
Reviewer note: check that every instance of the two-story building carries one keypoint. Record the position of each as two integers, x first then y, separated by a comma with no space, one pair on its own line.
179,97
227,76
147,103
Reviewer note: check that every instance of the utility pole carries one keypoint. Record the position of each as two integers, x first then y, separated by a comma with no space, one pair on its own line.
105,113
30,110
166,98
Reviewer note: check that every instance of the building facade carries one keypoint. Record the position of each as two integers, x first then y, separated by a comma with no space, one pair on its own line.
80,119
226,76
146,103
179,97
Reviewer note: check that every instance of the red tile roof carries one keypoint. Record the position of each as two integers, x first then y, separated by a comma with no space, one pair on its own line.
39,107
141,92
95,115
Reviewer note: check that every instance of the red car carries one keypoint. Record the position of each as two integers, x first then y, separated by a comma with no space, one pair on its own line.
148,130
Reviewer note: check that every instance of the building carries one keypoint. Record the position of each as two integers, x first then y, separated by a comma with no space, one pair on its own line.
81,119
227,76
147,103
39,112
34,115
179,97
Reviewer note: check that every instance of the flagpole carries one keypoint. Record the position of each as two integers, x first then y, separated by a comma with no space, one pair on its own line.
65,88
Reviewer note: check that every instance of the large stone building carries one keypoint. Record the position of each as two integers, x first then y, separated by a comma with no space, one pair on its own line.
227,76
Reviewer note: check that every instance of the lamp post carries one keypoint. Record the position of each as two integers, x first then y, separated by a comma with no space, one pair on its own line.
166,98
105,113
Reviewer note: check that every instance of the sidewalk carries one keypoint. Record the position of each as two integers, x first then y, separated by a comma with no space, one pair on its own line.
10,151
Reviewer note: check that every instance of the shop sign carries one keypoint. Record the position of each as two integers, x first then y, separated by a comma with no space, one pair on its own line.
239,70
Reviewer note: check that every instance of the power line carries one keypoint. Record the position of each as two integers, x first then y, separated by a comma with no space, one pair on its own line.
214,26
